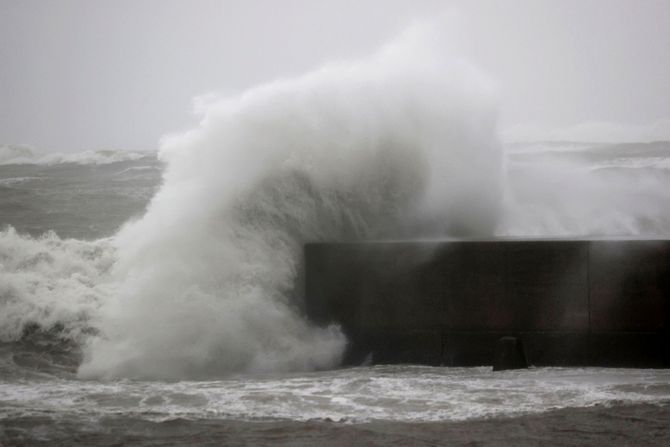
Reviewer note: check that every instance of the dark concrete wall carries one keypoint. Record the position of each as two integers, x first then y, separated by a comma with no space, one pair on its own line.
571,302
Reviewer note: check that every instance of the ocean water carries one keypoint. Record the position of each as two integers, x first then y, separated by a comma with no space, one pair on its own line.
153,298
58,252
81,200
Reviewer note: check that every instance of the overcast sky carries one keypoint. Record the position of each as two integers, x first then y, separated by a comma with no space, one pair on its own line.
89,74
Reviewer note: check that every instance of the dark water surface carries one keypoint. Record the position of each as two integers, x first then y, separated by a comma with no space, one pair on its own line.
616,425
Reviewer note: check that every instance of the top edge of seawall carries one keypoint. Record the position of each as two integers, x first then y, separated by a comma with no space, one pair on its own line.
436,241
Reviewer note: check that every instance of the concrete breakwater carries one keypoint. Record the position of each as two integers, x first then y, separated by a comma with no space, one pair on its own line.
571,302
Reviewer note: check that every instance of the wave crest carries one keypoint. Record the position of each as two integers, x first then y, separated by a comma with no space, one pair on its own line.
21,155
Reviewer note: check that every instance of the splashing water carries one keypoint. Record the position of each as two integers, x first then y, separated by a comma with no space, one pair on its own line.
404,145
351,151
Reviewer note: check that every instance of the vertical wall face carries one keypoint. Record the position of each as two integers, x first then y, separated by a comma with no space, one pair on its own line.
572,302
630,302
629,285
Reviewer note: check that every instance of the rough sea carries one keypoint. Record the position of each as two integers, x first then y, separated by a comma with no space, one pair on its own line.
60,218
156,298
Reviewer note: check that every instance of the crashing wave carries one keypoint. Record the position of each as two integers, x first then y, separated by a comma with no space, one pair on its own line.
210,276
51,284
403,145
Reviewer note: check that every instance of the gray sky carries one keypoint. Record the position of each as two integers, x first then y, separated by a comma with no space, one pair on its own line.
89,74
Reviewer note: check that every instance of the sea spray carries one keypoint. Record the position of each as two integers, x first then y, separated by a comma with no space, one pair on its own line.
587,190
401,144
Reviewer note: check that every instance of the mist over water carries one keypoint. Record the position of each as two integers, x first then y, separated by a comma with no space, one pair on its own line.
587,190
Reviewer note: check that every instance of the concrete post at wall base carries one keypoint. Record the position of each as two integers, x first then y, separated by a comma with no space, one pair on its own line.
509,354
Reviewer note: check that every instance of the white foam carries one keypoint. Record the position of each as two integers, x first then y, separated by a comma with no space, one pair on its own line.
12,181
662,163
388,393
50,282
